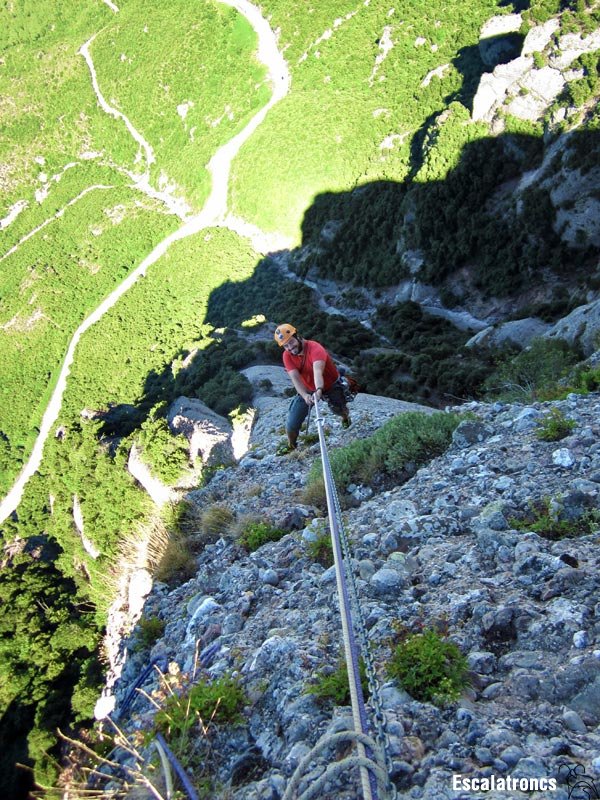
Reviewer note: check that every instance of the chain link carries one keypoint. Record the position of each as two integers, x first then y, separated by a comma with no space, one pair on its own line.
380,722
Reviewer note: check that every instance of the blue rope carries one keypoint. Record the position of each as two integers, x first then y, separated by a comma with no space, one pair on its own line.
181,773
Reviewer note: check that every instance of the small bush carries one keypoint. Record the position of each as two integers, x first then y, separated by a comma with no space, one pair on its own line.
539,60
217,520
321,549
255,534
546,517
587,380
393,452
150,630
554,426
218,701
429,667
333,688
177,563
313,493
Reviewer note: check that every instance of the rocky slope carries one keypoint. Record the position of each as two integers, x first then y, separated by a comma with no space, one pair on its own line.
439,551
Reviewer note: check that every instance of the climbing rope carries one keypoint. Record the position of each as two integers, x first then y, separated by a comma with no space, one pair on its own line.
166,753
373,758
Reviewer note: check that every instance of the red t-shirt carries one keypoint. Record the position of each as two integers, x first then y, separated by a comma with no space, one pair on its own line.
312,351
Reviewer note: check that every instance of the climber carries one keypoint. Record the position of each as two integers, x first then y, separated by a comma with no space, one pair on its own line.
312,371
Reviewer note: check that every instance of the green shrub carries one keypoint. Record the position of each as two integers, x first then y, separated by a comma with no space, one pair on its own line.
554,426
533,374
545,517
429,667
394,452
218,701
587,380
255,534
150,629
321,549
539,60
166,454
333,688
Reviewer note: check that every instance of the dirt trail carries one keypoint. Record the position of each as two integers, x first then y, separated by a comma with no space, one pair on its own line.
214,213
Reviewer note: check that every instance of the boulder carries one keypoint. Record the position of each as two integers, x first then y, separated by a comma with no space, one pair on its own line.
539,37
520,332
580,326
208,433
267,380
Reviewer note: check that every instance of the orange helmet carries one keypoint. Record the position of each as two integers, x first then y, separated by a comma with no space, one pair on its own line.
283,333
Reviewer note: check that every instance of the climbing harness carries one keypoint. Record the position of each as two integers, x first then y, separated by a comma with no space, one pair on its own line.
373,758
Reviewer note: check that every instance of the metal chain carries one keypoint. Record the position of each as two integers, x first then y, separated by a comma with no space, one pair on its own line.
382,738
380,722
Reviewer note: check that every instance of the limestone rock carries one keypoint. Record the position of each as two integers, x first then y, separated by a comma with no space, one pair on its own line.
208,433
494,86
580,326
520,332
494,42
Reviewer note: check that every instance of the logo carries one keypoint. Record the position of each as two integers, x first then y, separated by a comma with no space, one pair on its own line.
581,786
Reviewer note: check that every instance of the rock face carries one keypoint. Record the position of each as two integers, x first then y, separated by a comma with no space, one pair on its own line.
494,42
519,332
519,86
581,326
156,489
208,433
442,550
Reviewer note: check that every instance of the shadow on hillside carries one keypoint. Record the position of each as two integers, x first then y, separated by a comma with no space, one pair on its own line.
471,65
383,236
15,725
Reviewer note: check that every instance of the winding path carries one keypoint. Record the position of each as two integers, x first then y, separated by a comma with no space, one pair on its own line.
214,213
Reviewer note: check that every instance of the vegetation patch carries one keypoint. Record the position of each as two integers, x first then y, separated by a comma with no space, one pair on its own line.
219,701
320,549
537,373
332,687
429,360
554,426
150,629
254,534
429,667
394,452
548,518
166,454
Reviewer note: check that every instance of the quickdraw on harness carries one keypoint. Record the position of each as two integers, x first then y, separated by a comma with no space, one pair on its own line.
372,757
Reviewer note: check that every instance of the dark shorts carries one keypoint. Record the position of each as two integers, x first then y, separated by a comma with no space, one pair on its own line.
298,408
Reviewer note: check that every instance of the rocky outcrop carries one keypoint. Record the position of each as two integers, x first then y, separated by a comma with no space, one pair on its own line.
88,546
519,332
581,326
520,87
442,550
494,41
208,433
155,488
